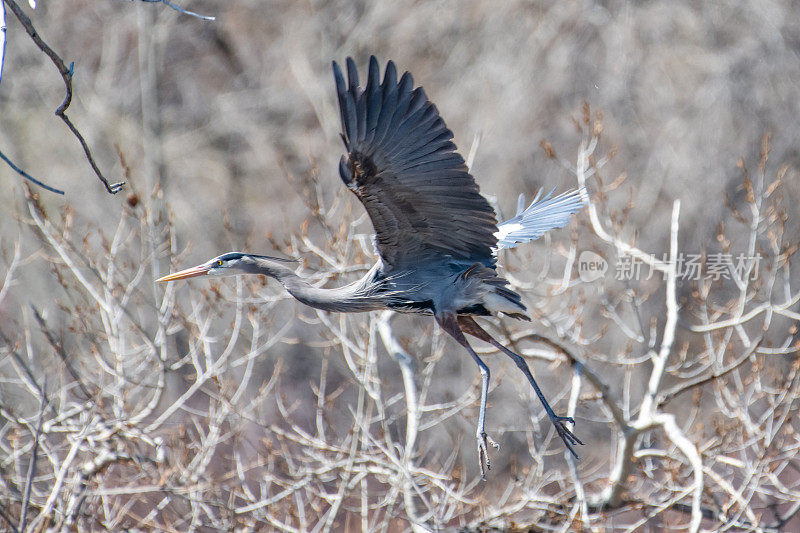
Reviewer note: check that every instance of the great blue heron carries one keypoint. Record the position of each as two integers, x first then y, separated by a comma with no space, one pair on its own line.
436,236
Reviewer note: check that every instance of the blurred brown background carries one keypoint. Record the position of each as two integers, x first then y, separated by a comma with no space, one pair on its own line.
235,108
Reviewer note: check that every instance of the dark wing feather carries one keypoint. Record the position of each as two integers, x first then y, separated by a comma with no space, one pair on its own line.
403,166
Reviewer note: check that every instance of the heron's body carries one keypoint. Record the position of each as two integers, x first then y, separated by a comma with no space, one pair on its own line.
469,289
436,236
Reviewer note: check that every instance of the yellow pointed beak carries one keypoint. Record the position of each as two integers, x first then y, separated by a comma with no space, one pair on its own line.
188,273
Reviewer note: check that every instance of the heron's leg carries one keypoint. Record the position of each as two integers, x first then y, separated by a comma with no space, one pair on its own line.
450,325
468,325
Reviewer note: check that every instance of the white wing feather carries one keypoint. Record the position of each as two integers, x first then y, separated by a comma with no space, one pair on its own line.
540,217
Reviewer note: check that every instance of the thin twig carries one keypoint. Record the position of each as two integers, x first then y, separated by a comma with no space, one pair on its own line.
60,478
32,464
66,75
699,381
788,516
2,39
9,278
25,174
7,518
91,468
59,349
179,9
22,368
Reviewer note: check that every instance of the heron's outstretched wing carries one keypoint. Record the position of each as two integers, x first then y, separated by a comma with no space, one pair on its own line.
403,166
540,217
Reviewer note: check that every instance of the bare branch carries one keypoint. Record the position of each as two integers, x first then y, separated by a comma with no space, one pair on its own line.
669,395
66,75
2,39
32,464
180,9
9,277
25,174
406,363
59,349
689,450
8,520
659,359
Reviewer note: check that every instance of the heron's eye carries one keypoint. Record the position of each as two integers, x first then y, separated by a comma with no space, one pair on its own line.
219,263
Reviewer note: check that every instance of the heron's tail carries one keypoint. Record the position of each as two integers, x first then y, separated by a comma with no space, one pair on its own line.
541,216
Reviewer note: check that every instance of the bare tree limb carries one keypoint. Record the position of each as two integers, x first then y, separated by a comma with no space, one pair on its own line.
66,75
406,363
659,359
689,450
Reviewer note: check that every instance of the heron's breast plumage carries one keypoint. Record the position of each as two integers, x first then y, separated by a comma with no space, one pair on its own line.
452,286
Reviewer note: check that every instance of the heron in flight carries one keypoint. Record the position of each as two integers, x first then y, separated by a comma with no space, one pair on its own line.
437,237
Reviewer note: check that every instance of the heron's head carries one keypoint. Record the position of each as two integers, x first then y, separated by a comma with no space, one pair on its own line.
228,264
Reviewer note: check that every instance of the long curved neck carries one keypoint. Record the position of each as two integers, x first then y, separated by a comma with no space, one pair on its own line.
354,297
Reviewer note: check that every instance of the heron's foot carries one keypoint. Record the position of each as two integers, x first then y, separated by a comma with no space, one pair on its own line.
484,441
566,435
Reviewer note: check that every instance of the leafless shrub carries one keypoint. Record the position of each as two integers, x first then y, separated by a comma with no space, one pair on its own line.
226,405
180,407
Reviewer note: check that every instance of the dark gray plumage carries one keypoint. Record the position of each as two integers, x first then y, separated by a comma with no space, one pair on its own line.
437,237
402,165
